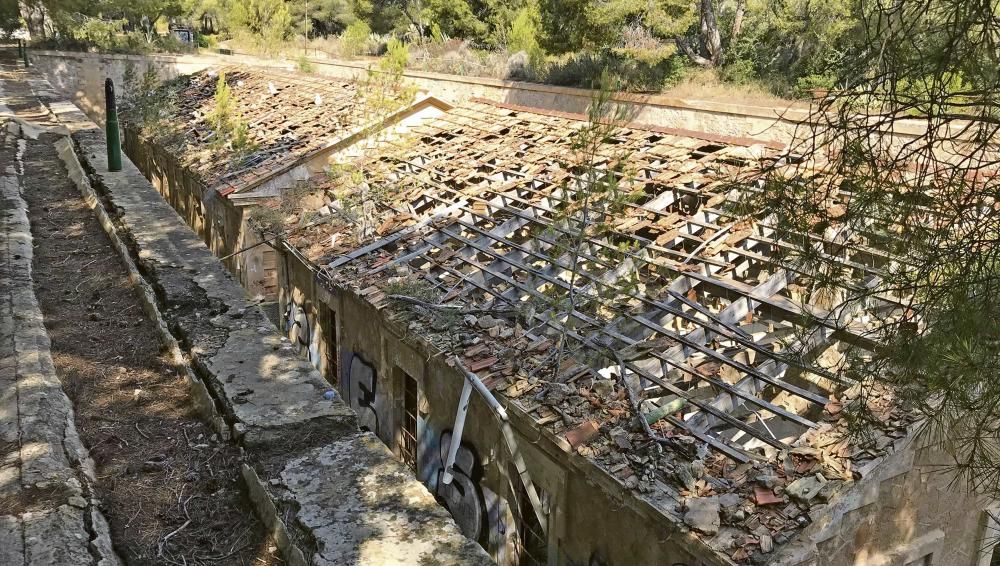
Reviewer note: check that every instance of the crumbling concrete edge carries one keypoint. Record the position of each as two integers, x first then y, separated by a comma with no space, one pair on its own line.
263,503
202,399
30,322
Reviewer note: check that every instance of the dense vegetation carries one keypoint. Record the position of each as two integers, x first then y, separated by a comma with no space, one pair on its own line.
793,46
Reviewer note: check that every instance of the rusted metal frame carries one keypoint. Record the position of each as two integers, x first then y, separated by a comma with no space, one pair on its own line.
774,242
734,311
712,317
667,309
436,239
758,238
736,334
672,310
530,270
700,193
709,278
737,310
678,364
816,315
819,337
721,446
682,366
785,245
550,195
721,358
392,238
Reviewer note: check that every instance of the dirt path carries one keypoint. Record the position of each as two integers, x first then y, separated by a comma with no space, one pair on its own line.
169,487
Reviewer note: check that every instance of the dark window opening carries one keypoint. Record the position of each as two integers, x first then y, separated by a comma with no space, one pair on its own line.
332,350
408,434
534,545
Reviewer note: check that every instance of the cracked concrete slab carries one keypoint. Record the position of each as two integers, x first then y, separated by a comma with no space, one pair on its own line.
361,505
43,465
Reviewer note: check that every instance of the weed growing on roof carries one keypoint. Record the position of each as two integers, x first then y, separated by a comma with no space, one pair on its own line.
304,65
418,289
272,216
379,95
228,126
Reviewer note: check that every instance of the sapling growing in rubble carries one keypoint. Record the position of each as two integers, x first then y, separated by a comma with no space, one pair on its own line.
225,121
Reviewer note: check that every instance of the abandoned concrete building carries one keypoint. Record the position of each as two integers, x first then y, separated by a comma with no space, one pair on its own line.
297,123
433,277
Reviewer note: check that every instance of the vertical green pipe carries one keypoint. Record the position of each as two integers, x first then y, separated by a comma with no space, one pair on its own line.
24,55
114,137
19,53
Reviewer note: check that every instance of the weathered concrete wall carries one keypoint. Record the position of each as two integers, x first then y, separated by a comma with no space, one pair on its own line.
907,510
81,77
368,356
220,224
271,400
49,514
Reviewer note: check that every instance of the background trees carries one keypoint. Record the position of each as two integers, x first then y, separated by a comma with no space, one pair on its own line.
791,45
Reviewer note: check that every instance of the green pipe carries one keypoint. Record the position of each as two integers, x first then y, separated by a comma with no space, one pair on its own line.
114,136
667,409
24,55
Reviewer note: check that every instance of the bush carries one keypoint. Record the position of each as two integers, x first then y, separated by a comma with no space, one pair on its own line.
303,64
99,34
356,39
810,84
524,37
636,69
206,41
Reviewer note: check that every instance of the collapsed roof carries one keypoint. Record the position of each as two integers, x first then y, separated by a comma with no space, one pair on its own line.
288,117
475,226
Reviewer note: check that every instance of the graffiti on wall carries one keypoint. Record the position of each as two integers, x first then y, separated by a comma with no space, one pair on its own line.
301,330
360,388
479,512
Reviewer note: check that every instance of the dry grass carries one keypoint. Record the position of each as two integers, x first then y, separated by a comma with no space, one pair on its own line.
705,84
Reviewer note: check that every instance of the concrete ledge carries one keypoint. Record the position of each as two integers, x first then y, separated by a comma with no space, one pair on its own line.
380,513
262,388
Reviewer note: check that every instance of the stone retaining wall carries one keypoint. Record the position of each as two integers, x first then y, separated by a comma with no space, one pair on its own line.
80,77
42,460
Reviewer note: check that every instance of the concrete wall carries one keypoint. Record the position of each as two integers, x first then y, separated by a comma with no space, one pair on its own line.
220,224
907,510
367,362
80,76
299,445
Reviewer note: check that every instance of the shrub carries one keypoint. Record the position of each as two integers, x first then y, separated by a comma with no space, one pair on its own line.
142,101
206,41
524,36
397,55
356,39
98,33
636,69
303,64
